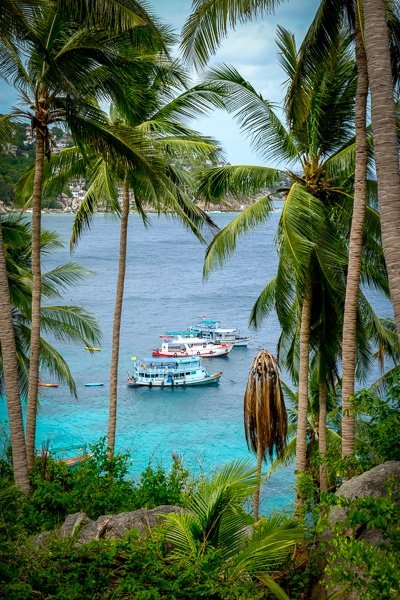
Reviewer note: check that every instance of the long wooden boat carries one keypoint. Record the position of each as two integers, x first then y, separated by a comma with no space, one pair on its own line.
165,372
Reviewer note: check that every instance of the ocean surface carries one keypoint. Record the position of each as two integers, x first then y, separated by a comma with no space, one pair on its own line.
164,290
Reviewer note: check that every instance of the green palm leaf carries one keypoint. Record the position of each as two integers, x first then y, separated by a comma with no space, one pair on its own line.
224,243
209,23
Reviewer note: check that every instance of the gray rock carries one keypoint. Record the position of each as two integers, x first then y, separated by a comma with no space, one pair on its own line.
142,520
373,483
72,523
113,527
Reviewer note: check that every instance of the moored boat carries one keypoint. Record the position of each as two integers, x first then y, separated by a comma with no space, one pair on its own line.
179,346
211,330
165,372
50,385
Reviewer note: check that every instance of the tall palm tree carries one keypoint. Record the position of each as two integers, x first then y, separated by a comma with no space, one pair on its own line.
384,126
58,78
327,21
324,28
319,142
265,419
156,129
9,353
202,34
215,519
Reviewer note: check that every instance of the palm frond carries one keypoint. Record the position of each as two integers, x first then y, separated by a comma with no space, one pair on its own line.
224,242
209,22
256,116
265,418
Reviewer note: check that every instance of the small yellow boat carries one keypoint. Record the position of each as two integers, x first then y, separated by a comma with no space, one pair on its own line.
92,349
52,385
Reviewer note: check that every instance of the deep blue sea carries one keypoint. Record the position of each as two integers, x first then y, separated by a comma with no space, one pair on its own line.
164,290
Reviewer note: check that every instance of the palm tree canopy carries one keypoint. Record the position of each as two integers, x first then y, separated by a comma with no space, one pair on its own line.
68,324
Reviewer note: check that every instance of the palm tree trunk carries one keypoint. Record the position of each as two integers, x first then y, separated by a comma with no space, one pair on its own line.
355,250
386,148
112,418
323,478
34,355
10,371
301,435
256,503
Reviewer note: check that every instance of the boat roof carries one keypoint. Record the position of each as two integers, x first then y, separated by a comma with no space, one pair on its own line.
208,322
186,340
158,360
179,332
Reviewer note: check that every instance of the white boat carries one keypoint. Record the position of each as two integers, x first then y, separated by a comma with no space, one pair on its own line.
167,372
179,346
211,330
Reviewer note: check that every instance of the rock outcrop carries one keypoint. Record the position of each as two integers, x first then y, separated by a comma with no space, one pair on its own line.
374,483
113,526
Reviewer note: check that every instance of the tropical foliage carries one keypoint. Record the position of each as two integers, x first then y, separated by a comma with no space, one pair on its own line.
69,324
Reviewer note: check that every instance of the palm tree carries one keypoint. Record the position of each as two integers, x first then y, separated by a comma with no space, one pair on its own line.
384,126
319,141
157,132
215,519
65,323
58,77
202,34
10,365
265,419
324,28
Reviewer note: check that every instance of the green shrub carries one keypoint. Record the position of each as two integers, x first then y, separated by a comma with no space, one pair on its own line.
97,486
378,437
128,568
356,566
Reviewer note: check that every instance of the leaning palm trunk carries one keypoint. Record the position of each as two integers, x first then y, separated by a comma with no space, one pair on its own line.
323,478
355,250
34,356
265,419
384,126
112,417
301,434
10,373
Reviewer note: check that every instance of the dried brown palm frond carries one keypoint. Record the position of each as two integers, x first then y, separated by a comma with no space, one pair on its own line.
265,418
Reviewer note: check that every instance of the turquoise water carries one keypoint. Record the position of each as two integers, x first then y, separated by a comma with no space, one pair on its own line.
164,290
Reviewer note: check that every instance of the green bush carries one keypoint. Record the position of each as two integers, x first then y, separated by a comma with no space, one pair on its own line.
128,568
378,428
98,486
370,571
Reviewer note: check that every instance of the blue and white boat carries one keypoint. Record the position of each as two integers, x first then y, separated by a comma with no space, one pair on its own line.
210,330
170,372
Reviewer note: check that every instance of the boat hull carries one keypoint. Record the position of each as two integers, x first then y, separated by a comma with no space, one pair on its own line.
212,379
202,353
